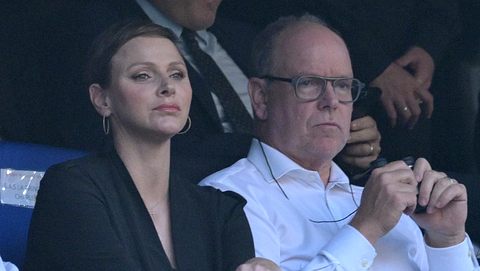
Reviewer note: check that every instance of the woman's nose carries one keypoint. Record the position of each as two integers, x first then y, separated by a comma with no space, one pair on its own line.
166,88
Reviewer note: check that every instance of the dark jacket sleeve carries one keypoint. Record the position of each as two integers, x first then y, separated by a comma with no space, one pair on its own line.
70,227
438,27
237,240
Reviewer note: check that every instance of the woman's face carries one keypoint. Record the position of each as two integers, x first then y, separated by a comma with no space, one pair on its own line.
149,95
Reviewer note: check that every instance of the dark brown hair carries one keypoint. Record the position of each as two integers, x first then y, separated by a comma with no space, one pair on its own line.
106,45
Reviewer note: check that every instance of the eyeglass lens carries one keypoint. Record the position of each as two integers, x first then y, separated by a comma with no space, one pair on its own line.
311,88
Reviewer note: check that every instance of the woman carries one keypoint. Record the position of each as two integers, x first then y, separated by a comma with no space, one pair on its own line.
123,210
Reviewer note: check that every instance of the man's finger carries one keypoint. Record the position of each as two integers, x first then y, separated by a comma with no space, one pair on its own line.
427,99
362,123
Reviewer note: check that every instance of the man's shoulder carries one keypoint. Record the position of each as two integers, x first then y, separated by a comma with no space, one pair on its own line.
232,177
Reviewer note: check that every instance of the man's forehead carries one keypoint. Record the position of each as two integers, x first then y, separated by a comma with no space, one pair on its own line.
310,48
306,31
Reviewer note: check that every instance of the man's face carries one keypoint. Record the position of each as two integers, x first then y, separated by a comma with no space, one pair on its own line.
191,14
311,133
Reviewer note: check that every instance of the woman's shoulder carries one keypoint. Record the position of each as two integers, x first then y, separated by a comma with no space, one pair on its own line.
211,197
87,161
95,164
90,167
221,196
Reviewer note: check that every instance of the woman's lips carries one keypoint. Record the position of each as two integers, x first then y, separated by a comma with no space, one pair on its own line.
168,108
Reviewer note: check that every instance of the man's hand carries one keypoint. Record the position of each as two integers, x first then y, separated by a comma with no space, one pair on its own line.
258,264
390,191
405,85
446,201
363,146
421,65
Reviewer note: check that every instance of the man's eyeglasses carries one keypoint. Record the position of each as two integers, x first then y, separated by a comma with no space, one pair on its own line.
309,88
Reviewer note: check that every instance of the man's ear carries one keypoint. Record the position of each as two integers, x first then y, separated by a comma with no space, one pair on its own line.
100,100
258,97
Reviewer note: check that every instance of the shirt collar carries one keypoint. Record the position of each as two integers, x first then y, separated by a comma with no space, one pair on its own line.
280,165
159,18
338,177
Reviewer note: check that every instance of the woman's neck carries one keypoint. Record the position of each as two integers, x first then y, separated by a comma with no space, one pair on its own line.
149,165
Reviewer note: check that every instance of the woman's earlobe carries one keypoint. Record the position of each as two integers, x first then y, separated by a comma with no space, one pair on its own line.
99,99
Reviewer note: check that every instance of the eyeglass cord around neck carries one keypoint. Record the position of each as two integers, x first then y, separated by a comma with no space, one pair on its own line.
285,194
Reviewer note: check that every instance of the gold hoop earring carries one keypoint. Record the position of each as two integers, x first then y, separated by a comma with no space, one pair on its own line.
189,125
106,125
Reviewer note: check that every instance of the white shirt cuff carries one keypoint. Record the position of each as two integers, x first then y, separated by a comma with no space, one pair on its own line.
350,249
457,257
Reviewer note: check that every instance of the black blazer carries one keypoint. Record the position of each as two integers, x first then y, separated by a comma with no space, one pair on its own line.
90,216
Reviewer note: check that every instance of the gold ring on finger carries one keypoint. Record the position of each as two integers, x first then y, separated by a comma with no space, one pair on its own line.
371,148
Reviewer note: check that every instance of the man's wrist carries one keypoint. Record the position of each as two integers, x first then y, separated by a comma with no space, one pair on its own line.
371,231
438,240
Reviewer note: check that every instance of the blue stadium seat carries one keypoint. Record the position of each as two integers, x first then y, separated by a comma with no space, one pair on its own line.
14,221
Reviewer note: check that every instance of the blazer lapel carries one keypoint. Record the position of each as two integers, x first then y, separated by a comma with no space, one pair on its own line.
191,230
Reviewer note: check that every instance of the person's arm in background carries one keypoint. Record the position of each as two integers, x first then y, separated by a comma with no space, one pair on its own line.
372,49
380,45
435,28
402,93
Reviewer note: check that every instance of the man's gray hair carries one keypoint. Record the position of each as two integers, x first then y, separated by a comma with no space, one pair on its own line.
264,45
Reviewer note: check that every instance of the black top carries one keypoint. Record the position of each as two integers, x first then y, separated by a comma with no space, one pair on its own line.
90,216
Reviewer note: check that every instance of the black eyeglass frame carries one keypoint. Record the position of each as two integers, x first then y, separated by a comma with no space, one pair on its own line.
294,82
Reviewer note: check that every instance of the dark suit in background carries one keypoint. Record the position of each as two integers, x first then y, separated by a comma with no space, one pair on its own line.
54,104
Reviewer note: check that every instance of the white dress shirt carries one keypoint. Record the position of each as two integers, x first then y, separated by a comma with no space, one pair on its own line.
209,44
7,266
283,230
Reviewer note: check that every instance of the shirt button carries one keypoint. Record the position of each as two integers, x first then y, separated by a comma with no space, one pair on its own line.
364,263
412,252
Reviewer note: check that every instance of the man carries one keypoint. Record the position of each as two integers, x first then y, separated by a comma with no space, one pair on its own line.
303,212
395,46
65,117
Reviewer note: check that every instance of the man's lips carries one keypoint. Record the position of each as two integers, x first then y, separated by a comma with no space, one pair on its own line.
168,108
328,124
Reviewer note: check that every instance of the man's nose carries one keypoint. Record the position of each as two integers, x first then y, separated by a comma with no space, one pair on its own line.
329,97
